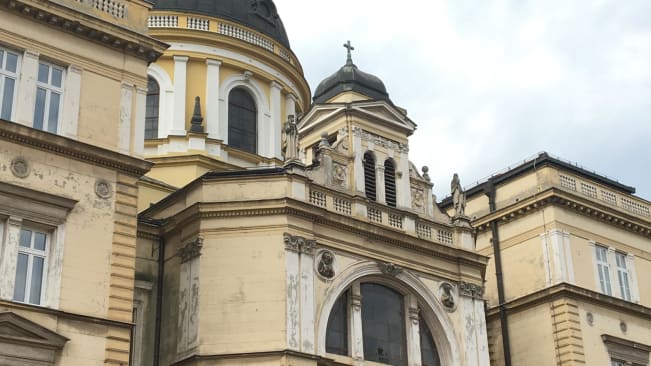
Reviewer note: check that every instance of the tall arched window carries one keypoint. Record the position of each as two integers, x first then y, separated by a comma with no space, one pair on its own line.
151,111
390,182
369,175
242,121
384,318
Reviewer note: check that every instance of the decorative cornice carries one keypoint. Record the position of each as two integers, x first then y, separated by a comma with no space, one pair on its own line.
554,196
191,250
64,146
471,290
299,244
89,27
566,290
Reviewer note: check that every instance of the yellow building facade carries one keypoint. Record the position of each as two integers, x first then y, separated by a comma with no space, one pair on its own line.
73,81
568,279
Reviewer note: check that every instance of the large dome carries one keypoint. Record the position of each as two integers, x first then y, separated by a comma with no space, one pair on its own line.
260,15
351,78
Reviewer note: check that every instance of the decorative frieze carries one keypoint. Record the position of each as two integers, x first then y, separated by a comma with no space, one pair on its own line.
191,250
471,290
299,244
380,141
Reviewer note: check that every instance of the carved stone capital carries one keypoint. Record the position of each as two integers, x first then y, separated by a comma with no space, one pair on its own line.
191,250
299,244
390,269
471,290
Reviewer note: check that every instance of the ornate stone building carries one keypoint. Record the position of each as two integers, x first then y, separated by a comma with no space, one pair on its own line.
301,232
569,253
72,97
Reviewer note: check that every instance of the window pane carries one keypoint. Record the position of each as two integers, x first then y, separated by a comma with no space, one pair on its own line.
39,240
37,280
21,278
242,121
151,110
2,53
429,354
7,98
383,324
12,62
43,73
25,238
57,77
53,118
337,331
39,112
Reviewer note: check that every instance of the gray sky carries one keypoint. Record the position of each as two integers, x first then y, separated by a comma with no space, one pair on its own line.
493,82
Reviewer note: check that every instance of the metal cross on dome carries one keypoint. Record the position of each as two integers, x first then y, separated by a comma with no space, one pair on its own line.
350,48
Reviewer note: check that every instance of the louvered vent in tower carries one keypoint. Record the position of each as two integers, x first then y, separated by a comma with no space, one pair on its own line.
369,176
390,182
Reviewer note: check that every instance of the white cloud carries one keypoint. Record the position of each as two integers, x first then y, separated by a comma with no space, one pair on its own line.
490,83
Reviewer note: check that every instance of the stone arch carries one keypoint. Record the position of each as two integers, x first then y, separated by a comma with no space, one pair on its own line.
166,103
261,100
435,315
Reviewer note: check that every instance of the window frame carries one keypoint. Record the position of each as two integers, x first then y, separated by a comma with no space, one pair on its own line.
413,312
49,89
32,253
153,133
623,272
4,74
603,269
244,133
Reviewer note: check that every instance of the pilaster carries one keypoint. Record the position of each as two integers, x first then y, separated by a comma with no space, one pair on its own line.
212,99
126,108
180,89
138,143
274,137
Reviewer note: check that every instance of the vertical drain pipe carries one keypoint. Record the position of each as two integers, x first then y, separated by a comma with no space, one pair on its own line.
506,344
159,299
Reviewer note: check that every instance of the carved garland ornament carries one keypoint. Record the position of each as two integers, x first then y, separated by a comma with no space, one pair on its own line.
380,141
191,250
390,269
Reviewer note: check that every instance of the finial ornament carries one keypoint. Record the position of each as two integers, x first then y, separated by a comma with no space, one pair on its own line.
197,118
458,196
350,48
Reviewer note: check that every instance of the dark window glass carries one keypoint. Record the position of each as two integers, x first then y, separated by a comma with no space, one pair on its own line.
7,98
369,176
37,280
429,355
21,277
390,182
383,324
151,109
39,113
337,331
242,121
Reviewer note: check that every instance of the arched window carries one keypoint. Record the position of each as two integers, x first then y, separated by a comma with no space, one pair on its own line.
384,318
151,111
390,182
369,175
242,121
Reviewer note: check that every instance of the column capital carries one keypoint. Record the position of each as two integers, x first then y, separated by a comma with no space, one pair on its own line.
211,62
183,59
292,97
275,85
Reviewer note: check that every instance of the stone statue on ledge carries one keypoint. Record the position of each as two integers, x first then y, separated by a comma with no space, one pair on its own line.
458,196
290,139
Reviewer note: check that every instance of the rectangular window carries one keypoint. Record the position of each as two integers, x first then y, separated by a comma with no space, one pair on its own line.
9,62
623,276
30,266
49,96
603,269
617,363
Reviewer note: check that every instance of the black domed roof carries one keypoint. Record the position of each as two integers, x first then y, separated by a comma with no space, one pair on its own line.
260,15
350,78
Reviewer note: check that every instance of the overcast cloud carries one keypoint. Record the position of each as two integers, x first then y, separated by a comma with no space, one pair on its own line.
493,82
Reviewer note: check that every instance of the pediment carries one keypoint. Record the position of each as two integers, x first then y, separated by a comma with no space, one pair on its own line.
379,112
18,330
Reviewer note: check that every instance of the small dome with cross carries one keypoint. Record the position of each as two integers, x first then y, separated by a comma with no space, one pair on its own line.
350,78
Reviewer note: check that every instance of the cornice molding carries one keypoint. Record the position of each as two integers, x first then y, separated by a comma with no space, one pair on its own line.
86,26
566,290
63,146
557,197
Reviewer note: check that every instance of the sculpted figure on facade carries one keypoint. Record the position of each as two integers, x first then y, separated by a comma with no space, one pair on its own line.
326,265
458,196
290,139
